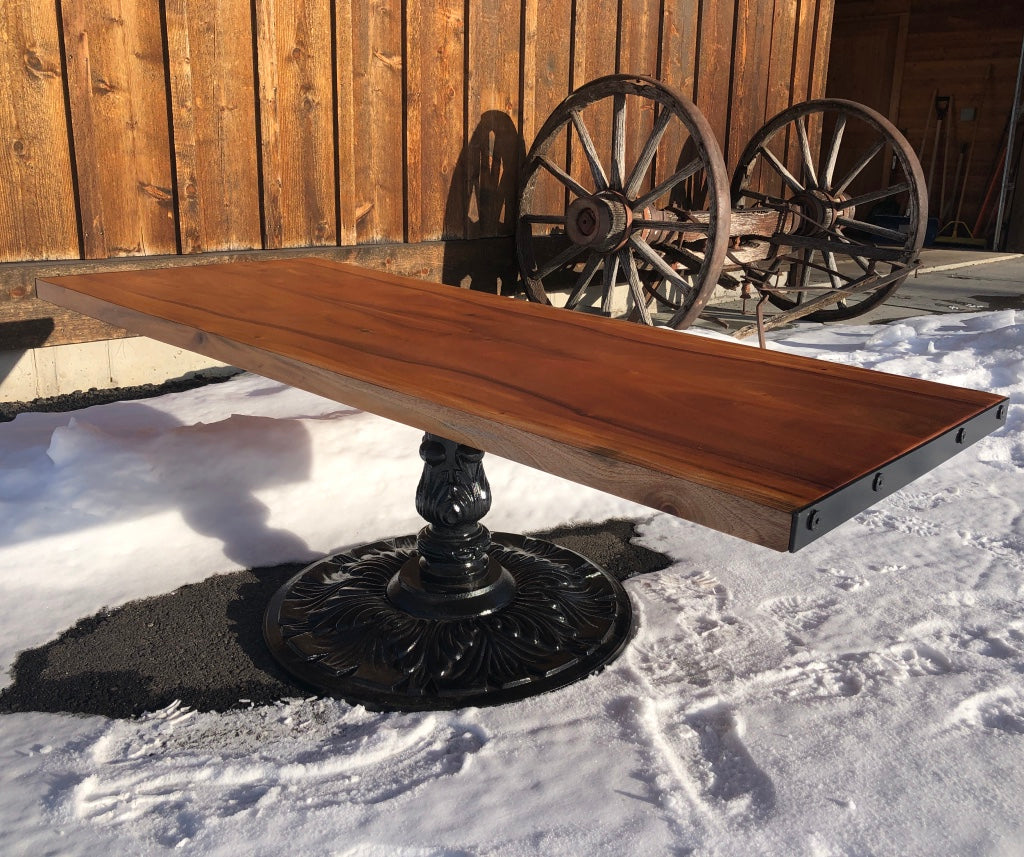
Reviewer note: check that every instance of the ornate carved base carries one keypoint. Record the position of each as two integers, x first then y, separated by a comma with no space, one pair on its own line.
539,618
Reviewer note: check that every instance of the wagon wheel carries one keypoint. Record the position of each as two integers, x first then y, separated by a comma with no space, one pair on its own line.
625,180
854,214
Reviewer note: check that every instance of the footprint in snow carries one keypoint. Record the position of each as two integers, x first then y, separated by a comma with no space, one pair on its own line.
726,771
1000,711
799,615
170,773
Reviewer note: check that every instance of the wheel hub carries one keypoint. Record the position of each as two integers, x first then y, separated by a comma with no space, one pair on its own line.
815,212
601,222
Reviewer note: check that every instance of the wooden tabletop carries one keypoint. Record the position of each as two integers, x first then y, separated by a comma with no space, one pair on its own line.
750,442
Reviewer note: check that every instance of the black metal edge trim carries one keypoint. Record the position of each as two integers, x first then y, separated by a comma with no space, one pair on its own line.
832,510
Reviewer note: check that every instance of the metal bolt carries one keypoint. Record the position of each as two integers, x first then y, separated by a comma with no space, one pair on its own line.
878,481
1000,412
961,434
813,520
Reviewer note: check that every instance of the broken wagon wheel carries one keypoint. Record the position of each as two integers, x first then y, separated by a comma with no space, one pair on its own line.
852,195
623,169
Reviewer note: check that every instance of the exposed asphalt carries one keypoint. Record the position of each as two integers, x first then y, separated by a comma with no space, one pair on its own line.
203,643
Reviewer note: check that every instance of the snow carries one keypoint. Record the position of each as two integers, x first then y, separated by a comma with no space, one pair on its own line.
864,696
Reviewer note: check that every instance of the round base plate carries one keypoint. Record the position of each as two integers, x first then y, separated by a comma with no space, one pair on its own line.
333,628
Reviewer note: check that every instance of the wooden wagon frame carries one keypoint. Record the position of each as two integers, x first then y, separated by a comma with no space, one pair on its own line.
804,224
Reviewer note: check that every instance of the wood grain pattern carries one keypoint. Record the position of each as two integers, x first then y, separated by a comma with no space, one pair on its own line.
370,121
436,53
344,132
116,85
750,67
714,61
546,55
639,47
594,41
820,47
494,151
214,112
803,51
679,49
296,97
37,213
23,315
728,436
780,90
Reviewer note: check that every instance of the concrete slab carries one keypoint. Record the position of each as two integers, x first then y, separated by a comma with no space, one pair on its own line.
949,281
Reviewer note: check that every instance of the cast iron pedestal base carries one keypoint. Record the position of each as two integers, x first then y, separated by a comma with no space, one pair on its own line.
452,617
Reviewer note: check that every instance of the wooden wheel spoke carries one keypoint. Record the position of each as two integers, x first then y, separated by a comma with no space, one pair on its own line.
833,151
780,168
690,169
872,229
805,151
696,258
635,288
833,272
563,258
655,258
596,170
866,159
804,269
643,163
866,265
618,140
583,280
616,172
564,177
609,275
827,257
873,196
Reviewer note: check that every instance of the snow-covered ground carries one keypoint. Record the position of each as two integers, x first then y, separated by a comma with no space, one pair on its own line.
862,697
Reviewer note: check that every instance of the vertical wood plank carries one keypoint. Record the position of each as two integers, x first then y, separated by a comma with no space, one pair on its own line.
638,54
679,49
595,44
595,40
714,62
780,91
370,117
807,11
547,75
494,150
547,41
118,99
296,98
214,113
638,37
37,203
679,59
822,41
435,52
781,57
751,55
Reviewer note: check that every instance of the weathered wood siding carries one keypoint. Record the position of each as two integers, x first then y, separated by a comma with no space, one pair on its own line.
137,128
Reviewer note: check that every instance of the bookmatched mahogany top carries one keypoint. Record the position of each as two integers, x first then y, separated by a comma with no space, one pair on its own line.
730,436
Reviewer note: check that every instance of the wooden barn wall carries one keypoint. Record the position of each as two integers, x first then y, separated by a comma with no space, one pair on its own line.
898,55
137,128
